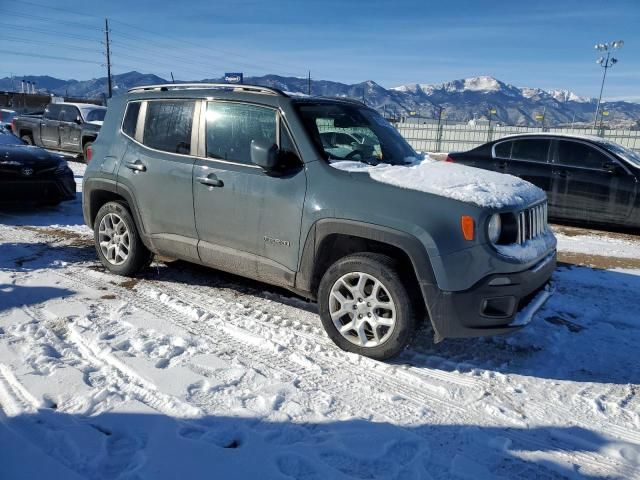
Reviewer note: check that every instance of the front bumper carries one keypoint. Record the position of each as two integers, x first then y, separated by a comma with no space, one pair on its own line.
499,303
45,188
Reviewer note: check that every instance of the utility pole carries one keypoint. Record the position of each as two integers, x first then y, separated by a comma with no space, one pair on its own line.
108,45
173,80
309,84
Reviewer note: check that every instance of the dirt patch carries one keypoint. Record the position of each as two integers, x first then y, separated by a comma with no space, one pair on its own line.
69,237
130,283
577,231
108,297
598,261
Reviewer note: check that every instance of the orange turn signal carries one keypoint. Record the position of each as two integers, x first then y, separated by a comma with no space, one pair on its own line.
467,224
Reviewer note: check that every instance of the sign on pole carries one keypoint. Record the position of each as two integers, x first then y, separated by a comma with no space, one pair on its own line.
233,77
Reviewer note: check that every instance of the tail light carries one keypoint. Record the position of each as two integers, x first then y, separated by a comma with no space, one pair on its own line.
13,126
89,154
449,159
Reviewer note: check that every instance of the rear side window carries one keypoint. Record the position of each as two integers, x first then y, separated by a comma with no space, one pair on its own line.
532,149
53,112
503,150
577,154
232,126
168,124
131,119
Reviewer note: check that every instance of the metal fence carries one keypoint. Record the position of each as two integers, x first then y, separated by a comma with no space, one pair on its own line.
451,137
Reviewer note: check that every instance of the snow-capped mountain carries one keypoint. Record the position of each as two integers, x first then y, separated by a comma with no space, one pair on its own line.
461,99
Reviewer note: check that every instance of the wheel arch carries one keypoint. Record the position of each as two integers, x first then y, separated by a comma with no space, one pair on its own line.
331,239
101,191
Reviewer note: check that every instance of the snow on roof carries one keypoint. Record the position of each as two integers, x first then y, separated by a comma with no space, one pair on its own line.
81,105
459,182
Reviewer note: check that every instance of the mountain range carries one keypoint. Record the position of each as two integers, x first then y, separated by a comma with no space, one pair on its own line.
462,100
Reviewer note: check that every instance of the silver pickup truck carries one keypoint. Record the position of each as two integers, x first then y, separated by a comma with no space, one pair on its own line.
68,127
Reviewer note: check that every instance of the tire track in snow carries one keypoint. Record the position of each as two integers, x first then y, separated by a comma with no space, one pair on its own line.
15,399
571,452
562,449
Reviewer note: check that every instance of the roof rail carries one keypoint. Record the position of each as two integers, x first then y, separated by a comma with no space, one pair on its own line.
344,99
226,86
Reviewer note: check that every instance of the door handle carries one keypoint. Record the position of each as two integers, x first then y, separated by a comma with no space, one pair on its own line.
211,181
136,166
562,173
502,165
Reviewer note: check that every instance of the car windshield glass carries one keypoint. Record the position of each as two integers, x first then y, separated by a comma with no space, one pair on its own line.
353,132
624,152
95,115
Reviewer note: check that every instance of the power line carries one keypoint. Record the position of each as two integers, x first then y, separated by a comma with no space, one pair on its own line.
13,39
48,19
48,57
45,31
206,51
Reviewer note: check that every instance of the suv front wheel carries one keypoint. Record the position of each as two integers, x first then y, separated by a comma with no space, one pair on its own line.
118,244
365,307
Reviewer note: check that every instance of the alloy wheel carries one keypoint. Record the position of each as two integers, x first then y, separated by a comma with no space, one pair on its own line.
114,239
362,309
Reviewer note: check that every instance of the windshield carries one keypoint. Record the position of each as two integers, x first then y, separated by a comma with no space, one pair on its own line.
624,152
352,132
96,115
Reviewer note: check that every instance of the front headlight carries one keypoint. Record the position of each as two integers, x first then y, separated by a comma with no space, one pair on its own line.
494,229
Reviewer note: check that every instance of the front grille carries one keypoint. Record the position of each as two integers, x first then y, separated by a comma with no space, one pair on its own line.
532,222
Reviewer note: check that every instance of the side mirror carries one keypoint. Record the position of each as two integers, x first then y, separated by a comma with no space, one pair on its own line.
264,154
78,120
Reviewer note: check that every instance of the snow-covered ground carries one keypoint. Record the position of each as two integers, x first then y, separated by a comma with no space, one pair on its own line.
189,373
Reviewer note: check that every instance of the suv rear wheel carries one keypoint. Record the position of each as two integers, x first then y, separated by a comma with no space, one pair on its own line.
117,242
365,307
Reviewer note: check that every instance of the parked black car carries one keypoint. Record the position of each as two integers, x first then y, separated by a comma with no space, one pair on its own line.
31,174
587,179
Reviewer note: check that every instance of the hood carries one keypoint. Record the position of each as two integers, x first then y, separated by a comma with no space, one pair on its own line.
13,158
459,182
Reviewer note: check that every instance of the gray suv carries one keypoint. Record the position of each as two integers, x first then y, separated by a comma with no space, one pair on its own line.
244,179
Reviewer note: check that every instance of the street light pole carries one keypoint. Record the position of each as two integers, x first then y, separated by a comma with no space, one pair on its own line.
605,63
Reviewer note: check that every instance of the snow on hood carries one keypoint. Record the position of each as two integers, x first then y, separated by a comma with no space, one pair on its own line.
460,182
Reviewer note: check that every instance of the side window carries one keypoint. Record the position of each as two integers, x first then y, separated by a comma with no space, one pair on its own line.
503,150
52,112
232,126
131,119
168,124
576,154
69,114
531,149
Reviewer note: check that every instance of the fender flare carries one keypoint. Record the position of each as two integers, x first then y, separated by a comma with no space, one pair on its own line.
322,229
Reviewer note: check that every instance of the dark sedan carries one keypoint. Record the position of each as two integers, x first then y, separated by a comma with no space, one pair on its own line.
31,174
587,179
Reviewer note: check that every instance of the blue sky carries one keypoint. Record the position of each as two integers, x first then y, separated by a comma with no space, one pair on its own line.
547,44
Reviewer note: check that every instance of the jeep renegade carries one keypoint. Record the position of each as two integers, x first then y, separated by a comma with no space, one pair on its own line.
262,184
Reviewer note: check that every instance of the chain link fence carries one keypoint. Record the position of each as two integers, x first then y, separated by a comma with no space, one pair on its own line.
434,136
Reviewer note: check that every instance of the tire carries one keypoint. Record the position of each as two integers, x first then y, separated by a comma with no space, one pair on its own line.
117,220
28,139
368,268
84,151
